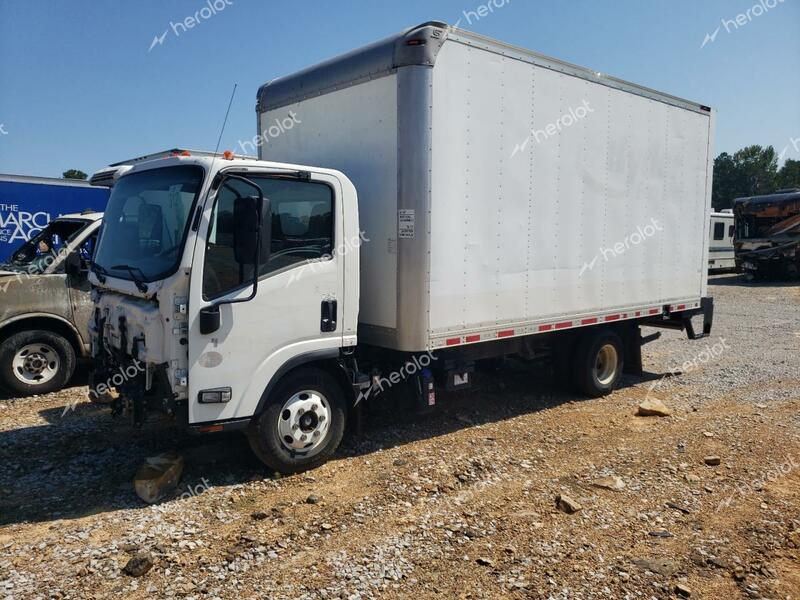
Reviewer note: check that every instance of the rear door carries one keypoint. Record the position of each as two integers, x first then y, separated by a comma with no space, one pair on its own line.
301,276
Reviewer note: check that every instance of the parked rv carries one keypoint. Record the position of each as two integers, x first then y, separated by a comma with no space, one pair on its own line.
446,198
767,242
720,243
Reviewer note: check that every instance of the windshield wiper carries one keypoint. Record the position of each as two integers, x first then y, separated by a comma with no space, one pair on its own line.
140,285
99,271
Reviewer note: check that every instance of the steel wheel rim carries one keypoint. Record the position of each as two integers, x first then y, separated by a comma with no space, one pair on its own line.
605,367
304,422
35,364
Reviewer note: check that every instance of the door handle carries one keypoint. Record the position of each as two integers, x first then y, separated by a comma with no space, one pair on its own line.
328,320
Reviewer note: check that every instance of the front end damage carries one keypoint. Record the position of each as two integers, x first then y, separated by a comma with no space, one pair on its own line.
131,358
767,242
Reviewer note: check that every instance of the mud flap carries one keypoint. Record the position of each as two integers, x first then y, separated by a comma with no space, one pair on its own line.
707,310
424,392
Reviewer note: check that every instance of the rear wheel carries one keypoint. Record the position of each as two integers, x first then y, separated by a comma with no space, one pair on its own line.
302,424
598,363
35,362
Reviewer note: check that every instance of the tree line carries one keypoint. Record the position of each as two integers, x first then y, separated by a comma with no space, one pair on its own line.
751,171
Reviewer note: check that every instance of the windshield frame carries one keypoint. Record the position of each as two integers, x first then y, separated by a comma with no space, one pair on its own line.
126,275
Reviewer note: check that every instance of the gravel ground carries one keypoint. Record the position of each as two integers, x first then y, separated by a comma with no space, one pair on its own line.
460,504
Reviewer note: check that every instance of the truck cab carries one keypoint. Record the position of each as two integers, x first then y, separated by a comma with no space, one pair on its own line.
46,305
219,281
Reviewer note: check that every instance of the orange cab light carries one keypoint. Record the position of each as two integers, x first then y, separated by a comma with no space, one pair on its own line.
186,153
228,155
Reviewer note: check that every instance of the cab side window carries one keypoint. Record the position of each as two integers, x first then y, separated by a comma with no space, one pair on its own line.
300,224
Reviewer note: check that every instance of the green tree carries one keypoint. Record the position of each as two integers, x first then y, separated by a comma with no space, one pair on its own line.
789,175
726,182
74,174
751,171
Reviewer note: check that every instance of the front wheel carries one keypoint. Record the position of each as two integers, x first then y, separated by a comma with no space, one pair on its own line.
35,362
302,424
598,362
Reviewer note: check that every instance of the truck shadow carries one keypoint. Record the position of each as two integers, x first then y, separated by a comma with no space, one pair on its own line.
83,461
741,281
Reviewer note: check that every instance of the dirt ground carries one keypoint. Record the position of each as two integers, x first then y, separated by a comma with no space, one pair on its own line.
458,504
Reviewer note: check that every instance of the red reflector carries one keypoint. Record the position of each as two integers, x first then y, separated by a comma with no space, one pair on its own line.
563,324
680,307
589,321
453,341
506,333
638,313
612,317
654,311
210,428
545,327
473,338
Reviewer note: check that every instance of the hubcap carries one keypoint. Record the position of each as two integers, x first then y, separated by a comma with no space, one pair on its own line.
35,364
304,422
605,367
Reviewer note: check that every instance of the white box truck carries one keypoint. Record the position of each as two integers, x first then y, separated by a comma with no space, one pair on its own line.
472,200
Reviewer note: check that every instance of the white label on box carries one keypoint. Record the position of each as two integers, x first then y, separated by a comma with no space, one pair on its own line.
405,223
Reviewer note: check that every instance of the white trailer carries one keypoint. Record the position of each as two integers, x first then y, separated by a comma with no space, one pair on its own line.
472,200
720,242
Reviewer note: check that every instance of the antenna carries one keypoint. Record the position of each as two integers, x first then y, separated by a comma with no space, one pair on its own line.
224,123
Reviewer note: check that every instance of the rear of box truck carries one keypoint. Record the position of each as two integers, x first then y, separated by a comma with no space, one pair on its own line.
503,193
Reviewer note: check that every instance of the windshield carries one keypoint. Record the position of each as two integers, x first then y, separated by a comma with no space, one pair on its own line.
42,250
146,221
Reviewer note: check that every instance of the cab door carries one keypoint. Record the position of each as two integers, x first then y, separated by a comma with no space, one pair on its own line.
299,299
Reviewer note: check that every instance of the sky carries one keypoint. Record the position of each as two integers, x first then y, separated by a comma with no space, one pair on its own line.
87,83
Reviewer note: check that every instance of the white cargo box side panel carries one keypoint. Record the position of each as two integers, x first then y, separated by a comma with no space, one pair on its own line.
557,196
353,130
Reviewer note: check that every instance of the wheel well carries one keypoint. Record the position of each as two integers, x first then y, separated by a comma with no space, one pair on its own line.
46,324
329,365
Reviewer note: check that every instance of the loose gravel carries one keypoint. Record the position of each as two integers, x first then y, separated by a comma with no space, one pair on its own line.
458,504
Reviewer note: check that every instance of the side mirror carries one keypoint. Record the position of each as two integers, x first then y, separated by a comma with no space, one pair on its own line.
247,215
209,319
246,230
72,264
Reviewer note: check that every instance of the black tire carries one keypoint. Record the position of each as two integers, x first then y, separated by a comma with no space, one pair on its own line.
15,381
593,377
264,434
